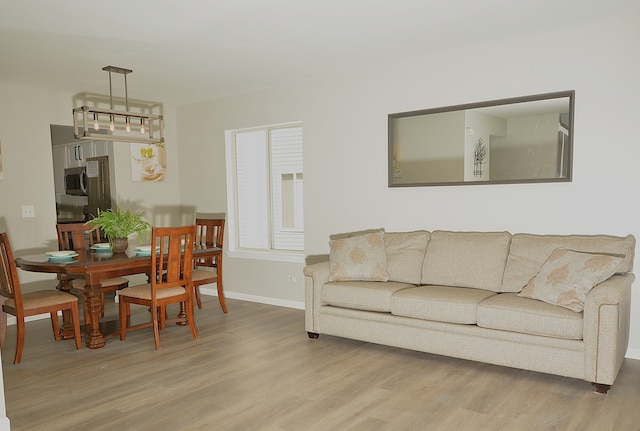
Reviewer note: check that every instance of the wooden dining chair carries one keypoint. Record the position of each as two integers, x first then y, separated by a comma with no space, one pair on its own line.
77,236
209,270
33,303
170,282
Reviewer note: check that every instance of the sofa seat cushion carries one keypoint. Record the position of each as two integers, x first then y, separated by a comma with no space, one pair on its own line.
509,312
466,259
361,295
439,303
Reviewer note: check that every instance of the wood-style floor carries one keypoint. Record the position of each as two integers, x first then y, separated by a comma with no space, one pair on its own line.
255,369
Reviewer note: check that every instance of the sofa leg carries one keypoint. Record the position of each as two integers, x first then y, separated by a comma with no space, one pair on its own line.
313,335
601,389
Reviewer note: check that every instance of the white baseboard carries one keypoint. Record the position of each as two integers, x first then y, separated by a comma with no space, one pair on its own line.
254,298
633,354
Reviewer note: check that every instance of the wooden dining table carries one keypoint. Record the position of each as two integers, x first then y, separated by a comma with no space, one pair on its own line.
94,266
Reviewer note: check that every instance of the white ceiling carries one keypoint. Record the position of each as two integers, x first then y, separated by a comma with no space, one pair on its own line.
193,50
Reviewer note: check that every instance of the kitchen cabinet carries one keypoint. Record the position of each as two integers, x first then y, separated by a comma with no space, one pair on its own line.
100,148
59,163
77,153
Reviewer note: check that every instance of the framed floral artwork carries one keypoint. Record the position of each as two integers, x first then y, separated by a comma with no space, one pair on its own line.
148,162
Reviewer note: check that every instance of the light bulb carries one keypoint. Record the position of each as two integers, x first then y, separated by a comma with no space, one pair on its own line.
142,126
112,125
128,126
96,125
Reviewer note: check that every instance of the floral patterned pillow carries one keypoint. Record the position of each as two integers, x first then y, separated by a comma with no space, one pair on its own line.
361,257
567,276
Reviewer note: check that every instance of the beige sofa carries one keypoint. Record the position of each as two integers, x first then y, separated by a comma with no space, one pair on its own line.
511,300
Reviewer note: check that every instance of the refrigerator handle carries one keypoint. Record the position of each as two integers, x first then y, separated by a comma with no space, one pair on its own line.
83,181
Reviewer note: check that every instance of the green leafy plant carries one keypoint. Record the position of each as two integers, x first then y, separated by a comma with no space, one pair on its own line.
120,224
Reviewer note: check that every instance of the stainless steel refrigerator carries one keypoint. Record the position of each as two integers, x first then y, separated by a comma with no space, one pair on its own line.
98,186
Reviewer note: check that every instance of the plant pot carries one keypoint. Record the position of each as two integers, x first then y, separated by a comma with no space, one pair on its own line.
119,245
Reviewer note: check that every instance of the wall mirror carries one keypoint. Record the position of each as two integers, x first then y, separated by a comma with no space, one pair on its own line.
518,140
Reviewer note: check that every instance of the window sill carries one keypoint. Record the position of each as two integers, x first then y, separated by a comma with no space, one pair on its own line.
277,256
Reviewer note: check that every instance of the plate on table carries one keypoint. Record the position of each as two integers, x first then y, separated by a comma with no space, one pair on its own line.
61,253
144,250
57,257
101,248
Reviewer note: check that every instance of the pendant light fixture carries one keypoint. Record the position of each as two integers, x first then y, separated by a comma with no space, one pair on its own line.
87,121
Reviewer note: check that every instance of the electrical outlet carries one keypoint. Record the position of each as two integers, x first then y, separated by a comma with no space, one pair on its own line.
28,211
293,279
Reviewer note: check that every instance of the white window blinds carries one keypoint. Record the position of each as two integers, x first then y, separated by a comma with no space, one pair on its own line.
252,190
269,189
286,180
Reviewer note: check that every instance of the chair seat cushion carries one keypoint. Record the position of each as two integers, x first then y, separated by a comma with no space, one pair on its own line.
42,298
80,284
439,303
204,274
143,291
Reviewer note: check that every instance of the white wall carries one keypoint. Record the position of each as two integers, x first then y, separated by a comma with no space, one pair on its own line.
345,146
345,132
25,116
203,184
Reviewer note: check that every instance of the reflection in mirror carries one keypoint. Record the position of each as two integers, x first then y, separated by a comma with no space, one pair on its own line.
518,140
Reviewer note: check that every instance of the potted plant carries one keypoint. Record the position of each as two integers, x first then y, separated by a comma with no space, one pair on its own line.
118,225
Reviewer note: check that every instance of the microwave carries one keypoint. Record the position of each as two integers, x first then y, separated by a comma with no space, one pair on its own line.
75,181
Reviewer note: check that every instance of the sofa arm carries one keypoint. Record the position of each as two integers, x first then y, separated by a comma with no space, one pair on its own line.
606,328
315,276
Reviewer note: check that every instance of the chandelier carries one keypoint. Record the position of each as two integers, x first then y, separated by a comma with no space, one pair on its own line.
122,126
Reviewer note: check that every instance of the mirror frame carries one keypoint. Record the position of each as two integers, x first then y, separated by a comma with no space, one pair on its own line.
567,177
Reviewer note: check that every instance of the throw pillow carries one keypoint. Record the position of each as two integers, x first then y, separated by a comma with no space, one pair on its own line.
361,257
567,276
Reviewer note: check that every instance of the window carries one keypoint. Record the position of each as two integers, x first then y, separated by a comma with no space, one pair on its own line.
265,192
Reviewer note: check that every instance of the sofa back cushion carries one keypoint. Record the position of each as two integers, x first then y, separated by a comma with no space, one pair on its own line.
405,255
529,252
466,259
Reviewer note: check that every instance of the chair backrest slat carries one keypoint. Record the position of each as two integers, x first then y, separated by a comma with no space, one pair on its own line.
172,264
73,236
9,281
209,232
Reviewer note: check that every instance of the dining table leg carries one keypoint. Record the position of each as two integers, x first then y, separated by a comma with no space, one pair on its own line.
93,302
